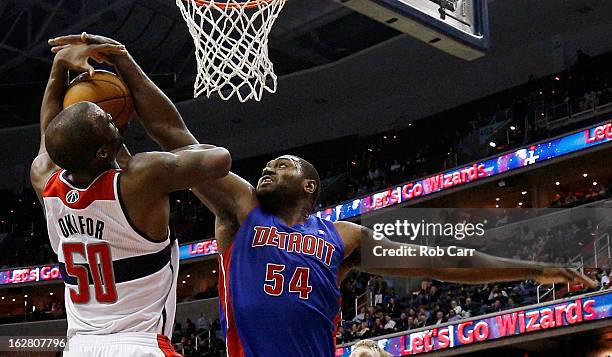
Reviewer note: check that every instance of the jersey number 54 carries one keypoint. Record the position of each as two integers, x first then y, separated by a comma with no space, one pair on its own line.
299,282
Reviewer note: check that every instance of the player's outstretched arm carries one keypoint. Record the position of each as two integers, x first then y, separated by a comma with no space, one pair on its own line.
168,172
439,268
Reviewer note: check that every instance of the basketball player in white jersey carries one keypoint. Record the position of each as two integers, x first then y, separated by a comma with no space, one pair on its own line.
109,227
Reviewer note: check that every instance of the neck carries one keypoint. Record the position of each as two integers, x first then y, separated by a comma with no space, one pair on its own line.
85,178
293,215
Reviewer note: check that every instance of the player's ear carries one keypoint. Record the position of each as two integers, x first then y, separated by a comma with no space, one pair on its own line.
310,186
103,153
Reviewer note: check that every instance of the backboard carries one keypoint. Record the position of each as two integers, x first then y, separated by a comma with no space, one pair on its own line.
459,27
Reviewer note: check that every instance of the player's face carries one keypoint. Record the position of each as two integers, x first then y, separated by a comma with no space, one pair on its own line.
110,132
280,182
282,174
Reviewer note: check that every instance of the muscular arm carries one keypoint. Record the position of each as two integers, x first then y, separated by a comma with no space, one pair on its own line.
163,172
42,167
439,268
158,115
229,197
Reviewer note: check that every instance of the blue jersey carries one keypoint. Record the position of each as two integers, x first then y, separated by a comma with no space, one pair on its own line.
279,291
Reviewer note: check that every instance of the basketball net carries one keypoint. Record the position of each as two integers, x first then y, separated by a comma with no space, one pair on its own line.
231,46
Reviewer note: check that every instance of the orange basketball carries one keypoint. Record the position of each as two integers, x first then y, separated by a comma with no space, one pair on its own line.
106,90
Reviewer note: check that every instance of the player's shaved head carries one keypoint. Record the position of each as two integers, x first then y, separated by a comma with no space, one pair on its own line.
76,135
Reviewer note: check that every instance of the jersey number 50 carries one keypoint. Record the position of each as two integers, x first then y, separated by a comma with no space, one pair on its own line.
298,284
100,263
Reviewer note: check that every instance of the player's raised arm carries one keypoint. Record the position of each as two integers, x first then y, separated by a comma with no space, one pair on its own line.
230,197
157,113
75,58
441,268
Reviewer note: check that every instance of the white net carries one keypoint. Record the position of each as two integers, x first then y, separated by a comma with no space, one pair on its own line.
231,46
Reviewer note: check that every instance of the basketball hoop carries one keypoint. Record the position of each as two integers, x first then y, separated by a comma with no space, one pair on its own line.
231,46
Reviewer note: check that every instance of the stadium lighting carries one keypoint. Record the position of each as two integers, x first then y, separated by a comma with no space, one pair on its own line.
51,293
496,206
497,199
189,276
492,144
3,298
594,183
25,296
557,183
520,203
512,127
585,175
184,282
524,193
214,271
13,299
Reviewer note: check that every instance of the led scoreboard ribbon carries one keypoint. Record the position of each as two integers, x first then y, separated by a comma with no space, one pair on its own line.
517,322
526,156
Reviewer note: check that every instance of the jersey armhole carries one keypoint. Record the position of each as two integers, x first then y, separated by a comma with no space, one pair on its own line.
332,227
117,189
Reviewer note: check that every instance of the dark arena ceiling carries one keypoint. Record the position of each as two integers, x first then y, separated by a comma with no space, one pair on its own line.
309,33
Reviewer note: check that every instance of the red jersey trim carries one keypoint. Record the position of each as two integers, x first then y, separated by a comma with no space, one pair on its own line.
232,339
101,189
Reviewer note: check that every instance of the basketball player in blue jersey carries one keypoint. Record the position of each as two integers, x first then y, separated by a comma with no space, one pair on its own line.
109,227
280,265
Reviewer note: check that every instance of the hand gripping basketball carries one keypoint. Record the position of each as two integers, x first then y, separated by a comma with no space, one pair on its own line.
76,57
59,43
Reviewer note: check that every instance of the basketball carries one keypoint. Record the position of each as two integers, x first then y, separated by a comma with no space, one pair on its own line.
106,90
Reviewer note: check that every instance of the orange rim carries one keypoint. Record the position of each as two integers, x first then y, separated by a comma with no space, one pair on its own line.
247,4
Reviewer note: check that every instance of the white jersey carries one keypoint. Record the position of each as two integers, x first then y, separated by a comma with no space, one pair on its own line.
117,280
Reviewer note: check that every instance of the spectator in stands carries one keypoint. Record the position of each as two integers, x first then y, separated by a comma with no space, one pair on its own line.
455,306
360,316
510,304
452,316
422,321
191,327
470,309
389,324
440,318
202,324
364,331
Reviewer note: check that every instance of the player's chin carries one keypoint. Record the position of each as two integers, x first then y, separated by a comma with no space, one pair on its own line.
265,189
